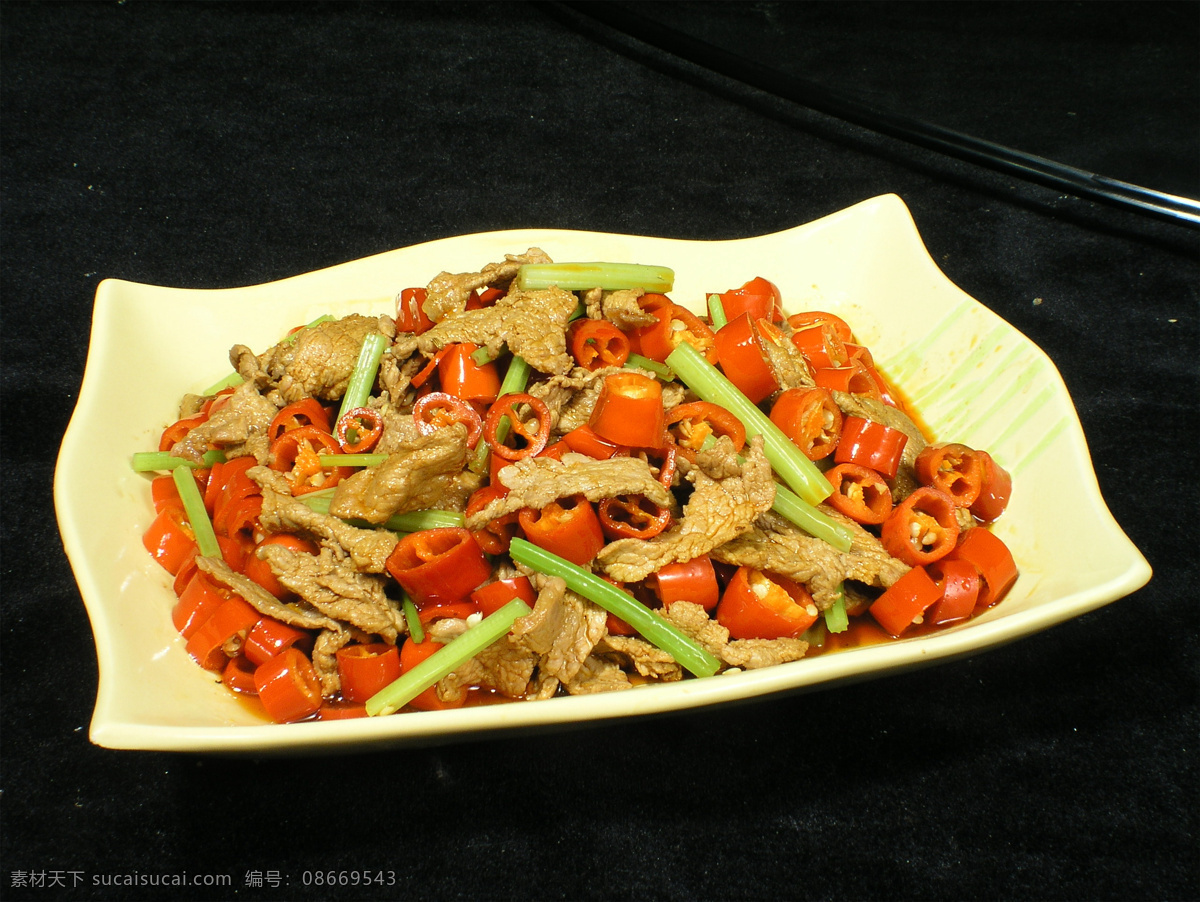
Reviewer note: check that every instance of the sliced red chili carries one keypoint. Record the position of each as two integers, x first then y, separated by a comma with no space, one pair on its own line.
568,527
991,557
495,536
859,493
854,378
527,440
758,297
674,324
922,528
959,583
816,317
872,445
694,581
462,377
810,418
439,409
297,453
904,602
632,517
410,313
740,355
359,430
308,412
951,468
692,423
821,346
584,440
597,343
994,491
438,566
365,669
492,596
170,539
629,411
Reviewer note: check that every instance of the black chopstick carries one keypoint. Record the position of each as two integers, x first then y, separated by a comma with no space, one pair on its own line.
1076,181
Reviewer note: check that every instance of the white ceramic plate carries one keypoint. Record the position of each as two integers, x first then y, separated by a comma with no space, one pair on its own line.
973,378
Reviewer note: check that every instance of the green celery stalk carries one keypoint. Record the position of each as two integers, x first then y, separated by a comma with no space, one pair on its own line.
231,381
652,627
836,619
351,460
481,357
711,385
716,312
661,370
516,377
151,461
415,630
812,521
411,521
193,507
362,377
454,654
582,276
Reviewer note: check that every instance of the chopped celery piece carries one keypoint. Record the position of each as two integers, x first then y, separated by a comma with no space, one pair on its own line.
150,461
716,312
661,370
836,619
415,630
651,626
454,654
411,521
193,508
351,460
516,377
362,377
816,634
812,521
415,521
231,381
582,276
481,357
711,385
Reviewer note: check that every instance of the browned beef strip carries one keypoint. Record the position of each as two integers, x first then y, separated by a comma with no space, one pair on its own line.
316,363
297,614
398,366
333,586
717,511
505,666
777,545
239,428
324,659
562,629
748,654
418,475
639,655
531,323
787,364
447,293
621,308
599,673
536,481
368,548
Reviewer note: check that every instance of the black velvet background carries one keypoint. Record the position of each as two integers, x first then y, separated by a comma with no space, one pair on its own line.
212,146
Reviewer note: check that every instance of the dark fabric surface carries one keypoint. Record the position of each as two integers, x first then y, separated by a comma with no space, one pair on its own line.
213,146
